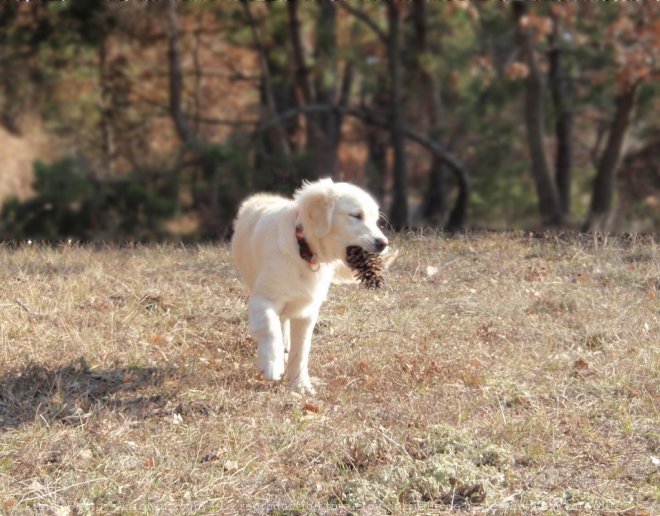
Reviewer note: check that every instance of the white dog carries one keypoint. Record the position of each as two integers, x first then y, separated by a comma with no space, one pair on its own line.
288,251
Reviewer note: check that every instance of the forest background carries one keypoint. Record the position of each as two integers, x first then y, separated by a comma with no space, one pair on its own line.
152,120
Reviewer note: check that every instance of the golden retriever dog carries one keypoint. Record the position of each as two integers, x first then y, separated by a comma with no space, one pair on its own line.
288,252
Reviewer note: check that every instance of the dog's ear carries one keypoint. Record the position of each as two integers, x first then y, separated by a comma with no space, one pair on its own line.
317,211
316,203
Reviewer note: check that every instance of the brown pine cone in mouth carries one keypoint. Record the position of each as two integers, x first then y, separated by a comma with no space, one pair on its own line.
367,267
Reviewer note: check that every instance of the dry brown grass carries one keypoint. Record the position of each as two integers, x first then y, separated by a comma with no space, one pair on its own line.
495,373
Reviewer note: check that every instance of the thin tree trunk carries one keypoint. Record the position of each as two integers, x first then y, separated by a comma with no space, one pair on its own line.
268,87
107,132
559,87
323,129
378,140
326,88
434,205
207,170
458,214
302,76
197,97
176,75
399,208
376,165
605,182
176,91
545,187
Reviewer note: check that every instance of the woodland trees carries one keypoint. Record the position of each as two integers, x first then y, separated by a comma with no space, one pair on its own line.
452,114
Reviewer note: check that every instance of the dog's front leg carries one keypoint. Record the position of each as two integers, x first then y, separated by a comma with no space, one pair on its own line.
297,375
286,338
266,329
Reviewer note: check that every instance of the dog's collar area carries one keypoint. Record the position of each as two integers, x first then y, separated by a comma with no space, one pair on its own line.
303,247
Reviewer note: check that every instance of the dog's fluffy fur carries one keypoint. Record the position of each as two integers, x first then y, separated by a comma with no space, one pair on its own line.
286,291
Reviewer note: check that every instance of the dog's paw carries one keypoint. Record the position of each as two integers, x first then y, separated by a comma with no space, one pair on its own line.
272,370
302,386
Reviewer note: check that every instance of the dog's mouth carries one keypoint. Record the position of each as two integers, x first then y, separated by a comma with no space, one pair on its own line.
366,265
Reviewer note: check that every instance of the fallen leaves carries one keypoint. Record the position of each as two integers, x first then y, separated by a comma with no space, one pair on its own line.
581,368
581,364
310,407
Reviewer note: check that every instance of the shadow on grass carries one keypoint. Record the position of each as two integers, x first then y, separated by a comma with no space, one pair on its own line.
72,393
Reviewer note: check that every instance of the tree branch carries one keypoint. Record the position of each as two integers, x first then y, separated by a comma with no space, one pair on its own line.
265,72
362,16
458,213
164,111
434,147
267,83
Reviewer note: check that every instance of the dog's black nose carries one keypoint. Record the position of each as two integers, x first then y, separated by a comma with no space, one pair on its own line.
380,244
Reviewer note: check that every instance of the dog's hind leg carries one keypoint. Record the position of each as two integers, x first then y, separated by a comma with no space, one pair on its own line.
266,329
297,375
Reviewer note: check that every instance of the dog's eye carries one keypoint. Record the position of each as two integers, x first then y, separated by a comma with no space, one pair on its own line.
358,216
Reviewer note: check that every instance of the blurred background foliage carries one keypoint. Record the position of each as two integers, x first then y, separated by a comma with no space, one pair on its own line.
152,120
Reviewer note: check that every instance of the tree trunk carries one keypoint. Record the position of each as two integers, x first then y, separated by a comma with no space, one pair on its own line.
605,182
176,90
559,87
176,76
303,81
458,215
301,76
545,187
399,208
323,129
326,88
107,130
378,138
434,205
279,139
377,144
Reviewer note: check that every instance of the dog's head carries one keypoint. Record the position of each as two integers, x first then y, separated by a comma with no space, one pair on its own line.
337,215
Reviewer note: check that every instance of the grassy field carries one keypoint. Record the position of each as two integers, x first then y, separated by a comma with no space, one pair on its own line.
495,373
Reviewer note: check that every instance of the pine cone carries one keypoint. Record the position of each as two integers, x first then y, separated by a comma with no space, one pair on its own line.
367,267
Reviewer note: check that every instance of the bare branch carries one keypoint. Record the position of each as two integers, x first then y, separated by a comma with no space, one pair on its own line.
363,17
458,213
268,87
265,71
164,108
233,77
367,117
